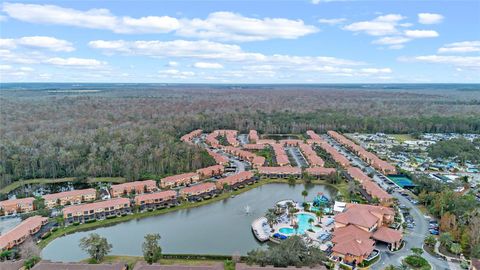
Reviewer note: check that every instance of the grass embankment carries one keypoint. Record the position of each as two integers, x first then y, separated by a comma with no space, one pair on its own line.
132,260
185,205
21,183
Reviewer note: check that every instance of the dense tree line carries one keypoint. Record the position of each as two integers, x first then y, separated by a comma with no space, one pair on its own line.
461,149
134,131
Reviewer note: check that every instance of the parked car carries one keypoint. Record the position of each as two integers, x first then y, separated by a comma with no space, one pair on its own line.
434,232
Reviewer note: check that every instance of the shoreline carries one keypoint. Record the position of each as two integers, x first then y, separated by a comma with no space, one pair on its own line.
185,205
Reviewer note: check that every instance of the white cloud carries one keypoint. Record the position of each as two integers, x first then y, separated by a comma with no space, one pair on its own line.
461,47
471,62
380,26
172,64
235,27
3,18
208,65
218,25
75,62
429,18
42,42
421,33
395,40
332,21
203,49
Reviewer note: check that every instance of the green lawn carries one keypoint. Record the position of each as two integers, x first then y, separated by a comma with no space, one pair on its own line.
108,222
132,260
402,137
20,183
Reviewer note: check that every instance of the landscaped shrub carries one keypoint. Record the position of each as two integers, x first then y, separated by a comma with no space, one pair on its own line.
90,221
111,217
417,262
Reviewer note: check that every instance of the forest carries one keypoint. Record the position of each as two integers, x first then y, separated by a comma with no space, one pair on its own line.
133,130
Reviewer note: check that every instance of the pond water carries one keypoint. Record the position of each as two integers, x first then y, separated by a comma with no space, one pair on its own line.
222,227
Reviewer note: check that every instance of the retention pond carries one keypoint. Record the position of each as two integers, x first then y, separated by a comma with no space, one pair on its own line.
221,228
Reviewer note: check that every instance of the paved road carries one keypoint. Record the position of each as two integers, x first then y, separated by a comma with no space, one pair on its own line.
294,153
413,237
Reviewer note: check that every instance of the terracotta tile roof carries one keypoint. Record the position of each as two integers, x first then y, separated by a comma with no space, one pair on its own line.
368,184
253,136
132,185
21,230
211,170
320,171
162,195
258,161
266,141
239,153
80,208
358,174
251,146
189,137
343,234
16,202
363,215
290,142
203,187
236,178
313,159
219,159
72,193
280,170
387,235
355,247
369,157
46,265
313,135
179,178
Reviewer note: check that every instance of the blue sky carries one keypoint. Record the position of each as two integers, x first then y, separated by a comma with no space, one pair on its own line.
389,41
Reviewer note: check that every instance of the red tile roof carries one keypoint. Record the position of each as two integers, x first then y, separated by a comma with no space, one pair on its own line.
189,137
253,136
80,208
46,265
17,202
162,195
72,193
387,235
236,178
203,187
344,234
363,215
179,178
320,171
144,266
22,230
211,170
132,185
355,247
280,170
219,159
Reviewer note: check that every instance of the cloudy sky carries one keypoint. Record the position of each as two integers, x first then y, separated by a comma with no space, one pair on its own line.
302,41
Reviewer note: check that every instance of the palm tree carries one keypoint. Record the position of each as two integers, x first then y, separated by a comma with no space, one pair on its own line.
271,217
319,215
304,194
456,248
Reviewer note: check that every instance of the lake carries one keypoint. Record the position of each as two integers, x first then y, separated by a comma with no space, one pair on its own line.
221,228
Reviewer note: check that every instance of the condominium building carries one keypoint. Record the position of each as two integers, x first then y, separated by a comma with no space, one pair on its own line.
160,199
138,187
22,231
97,210
9,207
200,191
183,179
70,197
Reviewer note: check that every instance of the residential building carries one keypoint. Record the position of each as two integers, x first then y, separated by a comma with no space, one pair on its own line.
14,206
190,136
210,171
70,197
313,159
160,199
138,187
219,159
365,216
236,180
200,191
243,266
280,172
98,210
22,231
254,146
183,179
258,161
281,156
253,136
371,188
320,171
291,142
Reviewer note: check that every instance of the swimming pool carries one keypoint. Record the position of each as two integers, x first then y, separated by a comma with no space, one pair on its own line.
303,224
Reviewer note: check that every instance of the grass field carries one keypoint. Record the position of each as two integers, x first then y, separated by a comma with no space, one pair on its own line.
108,222
132,260
402,137
20,183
